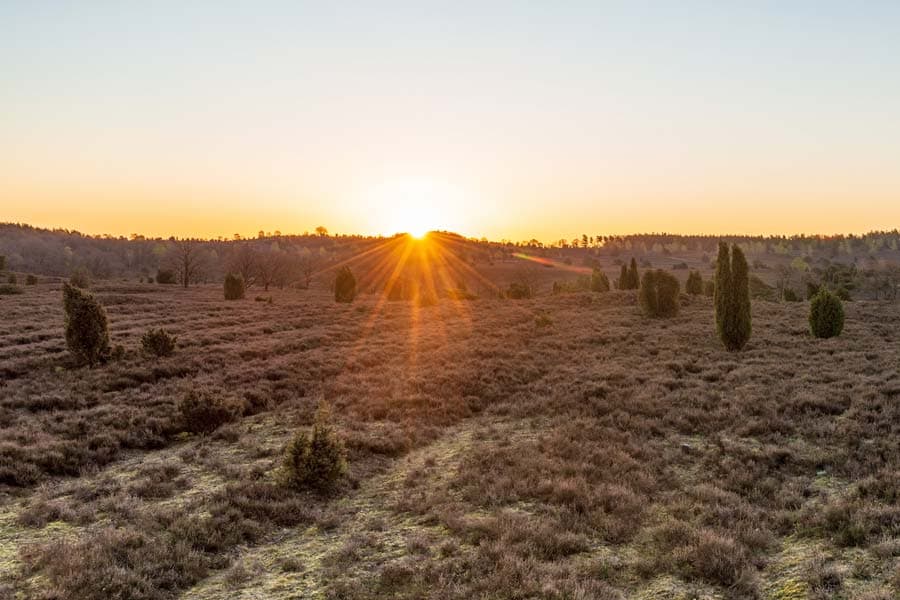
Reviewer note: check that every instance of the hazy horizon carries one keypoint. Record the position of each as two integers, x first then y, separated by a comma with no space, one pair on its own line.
500,121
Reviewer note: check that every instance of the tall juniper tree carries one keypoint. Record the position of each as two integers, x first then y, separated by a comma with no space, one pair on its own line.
732,297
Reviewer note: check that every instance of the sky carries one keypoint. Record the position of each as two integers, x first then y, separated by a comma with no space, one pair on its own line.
508,120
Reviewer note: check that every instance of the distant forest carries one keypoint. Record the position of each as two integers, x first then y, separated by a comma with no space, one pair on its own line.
867,263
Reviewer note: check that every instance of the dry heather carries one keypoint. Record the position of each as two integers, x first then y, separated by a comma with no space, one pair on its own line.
562,447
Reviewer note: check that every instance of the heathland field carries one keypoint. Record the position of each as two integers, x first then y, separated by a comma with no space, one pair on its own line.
558,447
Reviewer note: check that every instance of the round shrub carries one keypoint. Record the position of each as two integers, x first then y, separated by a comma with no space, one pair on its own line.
344,285
658,294
234,287
203,411
12,279
318,460
165,276
158,342
87,334
31,280
826,315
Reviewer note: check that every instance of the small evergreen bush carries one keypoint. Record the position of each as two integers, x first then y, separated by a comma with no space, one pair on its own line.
826,315
12,279
203,411
158,342
790,295
234,287
344,285
519,291
709,288
87,334
317,460
165,276
30,280
599,281
9,290
694,284
658,294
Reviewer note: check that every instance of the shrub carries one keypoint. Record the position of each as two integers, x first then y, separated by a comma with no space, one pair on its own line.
9,290
622,281
80,278
316,461
519,291
732,297
87,334
694,283
634,278
659,294
203,411
12,279
790,295
30,280
709,288
158,342
843,293
599,281
826,315
344,285
150,279
2,262
165,276
234,287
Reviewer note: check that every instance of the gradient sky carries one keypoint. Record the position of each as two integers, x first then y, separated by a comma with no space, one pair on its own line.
494,119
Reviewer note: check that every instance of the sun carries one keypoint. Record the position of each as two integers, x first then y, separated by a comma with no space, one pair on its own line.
414,206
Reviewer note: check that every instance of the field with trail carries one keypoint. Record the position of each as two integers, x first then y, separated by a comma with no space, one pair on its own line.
564,446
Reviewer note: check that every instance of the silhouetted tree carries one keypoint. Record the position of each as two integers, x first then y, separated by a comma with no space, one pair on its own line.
234,287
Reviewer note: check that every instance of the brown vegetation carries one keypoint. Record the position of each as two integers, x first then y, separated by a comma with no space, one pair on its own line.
555,447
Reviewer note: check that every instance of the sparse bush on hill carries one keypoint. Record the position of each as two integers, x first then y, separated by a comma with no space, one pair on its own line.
519,291
31,280
344,285
87,334
599,281
165,276
659,294
789,295
12,279
732,297
80,278
694,283
234,287
843,293
826,315
203,411
9,290
158,342
315,461
622,281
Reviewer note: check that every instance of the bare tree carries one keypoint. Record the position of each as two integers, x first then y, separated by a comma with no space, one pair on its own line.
245,262
187,261
308,265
